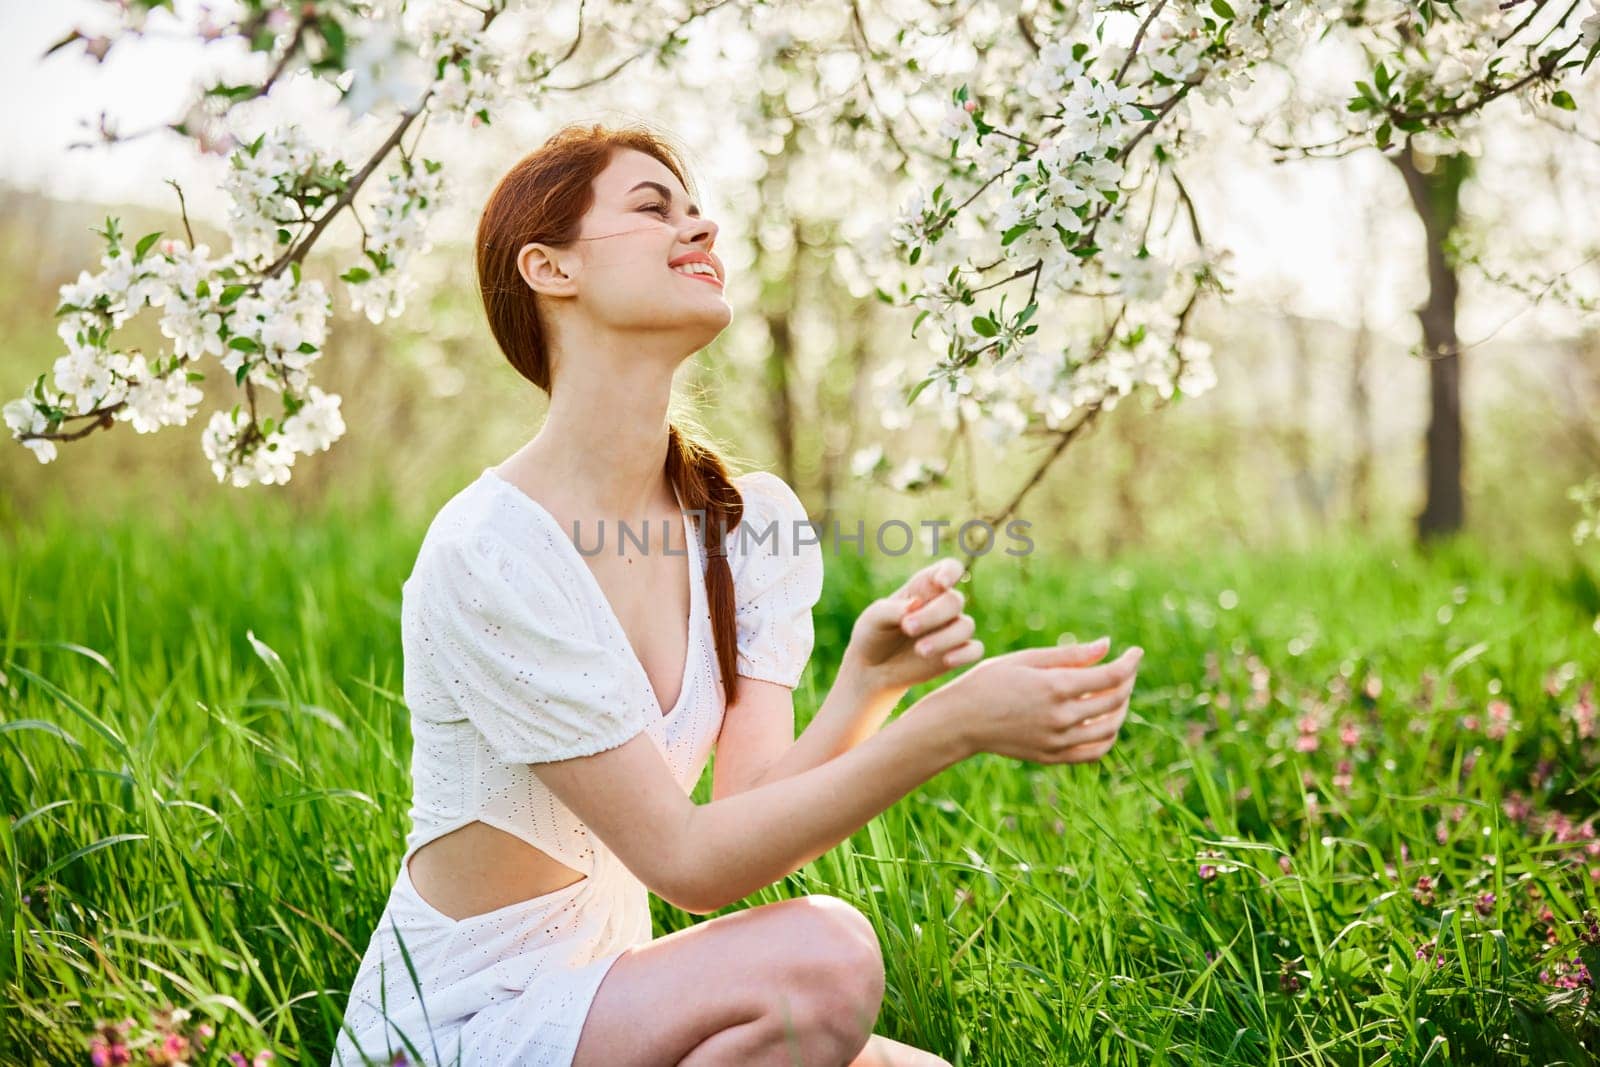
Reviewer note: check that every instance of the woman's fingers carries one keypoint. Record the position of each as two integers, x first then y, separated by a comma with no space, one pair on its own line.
934,614
970,652
1074,682
931,580
1087,753
946,637
1103,725
1081,709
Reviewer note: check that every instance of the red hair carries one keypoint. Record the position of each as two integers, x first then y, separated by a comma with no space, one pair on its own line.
543,198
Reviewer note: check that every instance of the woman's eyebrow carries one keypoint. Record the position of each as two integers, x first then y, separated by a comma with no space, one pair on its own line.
694,209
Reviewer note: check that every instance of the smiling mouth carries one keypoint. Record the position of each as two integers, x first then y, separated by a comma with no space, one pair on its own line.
709,278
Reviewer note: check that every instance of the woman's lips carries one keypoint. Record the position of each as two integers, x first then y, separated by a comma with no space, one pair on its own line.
698,278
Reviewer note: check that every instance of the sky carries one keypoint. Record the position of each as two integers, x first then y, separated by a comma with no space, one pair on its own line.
1301,234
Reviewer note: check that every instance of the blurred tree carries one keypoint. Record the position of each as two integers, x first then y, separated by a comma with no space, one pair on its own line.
1434,183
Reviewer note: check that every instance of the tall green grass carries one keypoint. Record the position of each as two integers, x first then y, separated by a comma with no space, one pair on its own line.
204,758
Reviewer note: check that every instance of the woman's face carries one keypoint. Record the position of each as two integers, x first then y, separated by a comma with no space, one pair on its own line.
619,272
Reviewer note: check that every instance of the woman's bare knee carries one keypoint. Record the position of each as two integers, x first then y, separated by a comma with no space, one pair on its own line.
834,986
807,969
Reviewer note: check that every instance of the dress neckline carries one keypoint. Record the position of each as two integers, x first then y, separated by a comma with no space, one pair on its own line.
696,592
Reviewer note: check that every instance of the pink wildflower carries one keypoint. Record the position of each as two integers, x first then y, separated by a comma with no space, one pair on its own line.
1343,777
1500,721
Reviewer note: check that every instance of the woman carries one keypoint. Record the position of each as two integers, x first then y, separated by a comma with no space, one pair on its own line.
562,715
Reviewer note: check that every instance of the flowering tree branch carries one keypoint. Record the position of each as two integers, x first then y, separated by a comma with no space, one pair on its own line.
251,308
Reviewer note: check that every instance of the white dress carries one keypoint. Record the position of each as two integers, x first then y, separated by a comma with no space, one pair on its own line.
513,655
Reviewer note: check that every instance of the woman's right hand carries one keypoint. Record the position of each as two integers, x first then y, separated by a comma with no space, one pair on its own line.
1045,705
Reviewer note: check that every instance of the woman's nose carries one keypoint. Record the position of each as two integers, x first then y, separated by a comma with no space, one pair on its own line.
705,230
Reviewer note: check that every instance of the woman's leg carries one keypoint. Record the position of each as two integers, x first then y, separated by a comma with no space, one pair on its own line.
795,982
886,1052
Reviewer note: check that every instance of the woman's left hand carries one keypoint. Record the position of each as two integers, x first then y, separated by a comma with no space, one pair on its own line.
916,633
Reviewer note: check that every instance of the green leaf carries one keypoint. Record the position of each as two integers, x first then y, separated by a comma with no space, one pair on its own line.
244,344
1385,135
916,254
238,379
1564,101
333,33
1016,231
984,326
1359,103
919,387
1221,7
1382,77
145,244
232,293
194,376
356,275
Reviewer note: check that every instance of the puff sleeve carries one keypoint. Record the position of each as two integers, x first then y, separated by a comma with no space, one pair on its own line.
776,564
502,646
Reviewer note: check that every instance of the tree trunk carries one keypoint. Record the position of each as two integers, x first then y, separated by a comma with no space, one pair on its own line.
1436,195
1361,418
1298,433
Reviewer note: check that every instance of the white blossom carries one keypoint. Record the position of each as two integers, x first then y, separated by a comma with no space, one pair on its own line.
385,68
316,425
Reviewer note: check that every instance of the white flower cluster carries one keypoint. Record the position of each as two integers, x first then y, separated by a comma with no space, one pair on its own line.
268,331
468,73
90,377
456,66
273,183
227,441
398,232
385,68
278,330
1055,218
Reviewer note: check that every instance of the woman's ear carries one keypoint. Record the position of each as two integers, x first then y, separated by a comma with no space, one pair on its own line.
543,269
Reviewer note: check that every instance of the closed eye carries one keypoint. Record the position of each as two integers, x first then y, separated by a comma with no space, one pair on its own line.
661,208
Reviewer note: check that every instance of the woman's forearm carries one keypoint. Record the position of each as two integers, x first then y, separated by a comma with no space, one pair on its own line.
853,711
741,843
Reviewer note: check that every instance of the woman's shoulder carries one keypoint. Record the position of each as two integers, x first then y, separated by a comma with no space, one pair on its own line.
774,534
476,535
768,496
